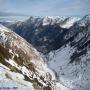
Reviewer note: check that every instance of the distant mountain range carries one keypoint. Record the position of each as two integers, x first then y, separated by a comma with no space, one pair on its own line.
46,33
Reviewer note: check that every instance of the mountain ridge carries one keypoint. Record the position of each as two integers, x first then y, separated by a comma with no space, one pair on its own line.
22,62
65,50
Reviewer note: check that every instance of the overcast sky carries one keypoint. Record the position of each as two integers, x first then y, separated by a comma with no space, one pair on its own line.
46,7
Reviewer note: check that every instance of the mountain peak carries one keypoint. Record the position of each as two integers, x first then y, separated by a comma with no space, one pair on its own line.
68,22
84,21
87,16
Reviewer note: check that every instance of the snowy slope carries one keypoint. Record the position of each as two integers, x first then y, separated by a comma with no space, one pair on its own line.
68,22
74,76
72,61
51,20
22,63
8,83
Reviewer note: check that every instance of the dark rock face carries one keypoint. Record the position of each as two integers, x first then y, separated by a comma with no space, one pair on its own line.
79,36
43,38
51,37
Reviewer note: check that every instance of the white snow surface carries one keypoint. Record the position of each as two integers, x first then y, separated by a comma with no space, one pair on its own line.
70,76
13,80
69,22
52,20
40,66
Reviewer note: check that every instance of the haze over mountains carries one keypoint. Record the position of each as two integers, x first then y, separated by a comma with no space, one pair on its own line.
64,45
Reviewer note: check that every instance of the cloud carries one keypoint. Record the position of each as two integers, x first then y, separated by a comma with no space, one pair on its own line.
2,4
46,7
70,7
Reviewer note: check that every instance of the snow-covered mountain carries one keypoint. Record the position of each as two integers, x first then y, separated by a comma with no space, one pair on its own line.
72,60
50,20
68,22
64,45
43,32
21,64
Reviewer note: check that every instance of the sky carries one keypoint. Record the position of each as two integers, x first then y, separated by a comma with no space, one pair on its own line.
46,7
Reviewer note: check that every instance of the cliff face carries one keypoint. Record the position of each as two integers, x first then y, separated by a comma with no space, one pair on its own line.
22,62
